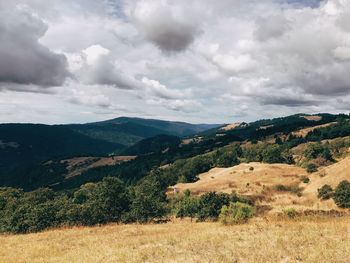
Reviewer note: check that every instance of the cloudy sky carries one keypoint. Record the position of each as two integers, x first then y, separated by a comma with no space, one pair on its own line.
64,61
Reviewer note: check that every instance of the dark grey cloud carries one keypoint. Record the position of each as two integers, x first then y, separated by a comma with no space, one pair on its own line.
327,80
171,36
23,60
288,101
164,27
104,72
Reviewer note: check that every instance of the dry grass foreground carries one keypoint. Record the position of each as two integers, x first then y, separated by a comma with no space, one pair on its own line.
326,240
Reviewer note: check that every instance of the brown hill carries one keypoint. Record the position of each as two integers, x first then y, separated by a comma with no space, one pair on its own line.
305,131
275,185
331,175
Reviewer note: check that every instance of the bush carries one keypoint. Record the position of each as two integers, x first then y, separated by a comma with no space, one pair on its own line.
341,194
290,212
210,205
325,192
206,207
236,213
305,179
295,189
315,150
282,188
311,168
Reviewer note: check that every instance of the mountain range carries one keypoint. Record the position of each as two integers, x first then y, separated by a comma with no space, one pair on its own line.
24,147
67,156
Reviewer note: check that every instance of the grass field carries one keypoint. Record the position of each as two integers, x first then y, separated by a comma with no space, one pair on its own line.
305,240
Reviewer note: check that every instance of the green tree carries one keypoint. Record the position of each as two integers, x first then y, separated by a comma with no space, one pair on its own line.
100,203
149,201
210,205
278,141
226,158
33,211
9,199
253,153
314,150
187,207
272,154
341,194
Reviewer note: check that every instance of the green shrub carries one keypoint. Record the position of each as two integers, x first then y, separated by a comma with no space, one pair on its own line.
305,179
341,194
325,192
314,150
290,212
282,188
210,205
236,213
272,154
289,188
311,168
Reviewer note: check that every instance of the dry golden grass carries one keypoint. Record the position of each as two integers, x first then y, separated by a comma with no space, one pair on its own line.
261,181
305,131
312,118
78,165
231,126
331,175
243,180
260,240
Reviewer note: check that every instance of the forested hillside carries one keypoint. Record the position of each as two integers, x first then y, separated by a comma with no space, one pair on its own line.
24,146
128,131
135,190
30,154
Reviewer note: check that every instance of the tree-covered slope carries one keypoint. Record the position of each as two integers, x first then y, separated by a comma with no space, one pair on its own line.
23,146
128,131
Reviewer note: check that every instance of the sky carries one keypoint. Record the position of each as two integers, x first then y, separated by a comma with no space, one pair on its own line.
200,61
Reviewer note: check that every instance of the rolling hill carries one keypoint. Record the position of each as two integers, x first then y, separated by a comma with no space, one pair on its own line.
128,131
30,153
